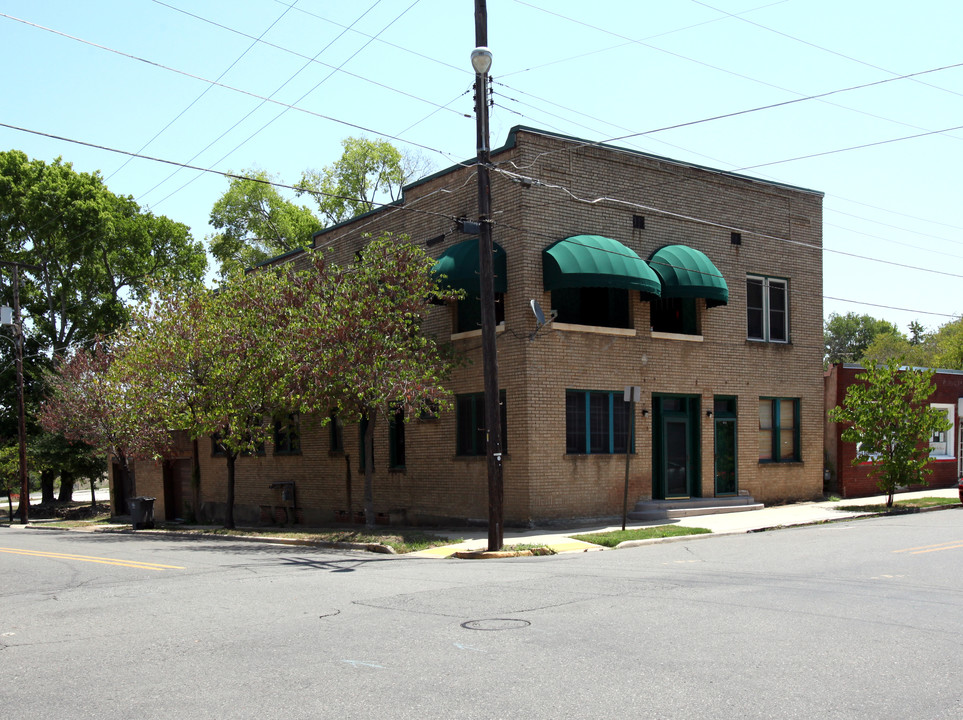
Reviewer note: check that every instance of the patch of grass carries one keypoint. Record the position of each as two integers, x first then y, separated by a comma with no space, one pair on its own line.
95,521
613,538
902,505
401,542
536,549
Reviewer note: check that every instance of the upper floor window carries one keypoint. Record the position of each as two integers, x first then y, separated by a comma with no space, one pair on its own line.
674,315
598,306
767,307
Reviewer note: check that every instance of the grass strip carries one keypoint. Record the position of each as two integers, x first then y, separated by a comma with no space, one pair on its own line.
613,538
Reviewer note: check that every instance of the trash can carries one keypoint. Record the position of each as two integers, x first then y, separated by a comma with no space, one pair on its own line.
141,513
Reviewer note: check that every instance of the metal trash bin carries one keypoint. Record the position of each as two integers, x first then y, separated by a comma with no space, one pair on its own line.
141,513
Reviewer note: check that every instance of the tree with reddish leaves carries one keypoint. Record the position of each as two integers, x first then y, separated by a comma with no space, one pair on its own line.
90,401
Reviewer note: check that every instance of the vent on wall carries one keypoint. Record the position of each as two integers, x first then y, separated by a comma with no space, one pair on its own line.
430,242
638,222
735,238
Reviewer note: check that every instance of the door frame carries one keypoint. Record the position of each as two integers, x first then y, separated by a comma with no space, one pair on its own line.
690,412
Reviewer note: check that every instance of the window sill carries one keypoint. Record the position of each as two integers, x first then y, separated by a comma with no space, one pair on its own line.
500,328
676,336
785,463
595,329
760,341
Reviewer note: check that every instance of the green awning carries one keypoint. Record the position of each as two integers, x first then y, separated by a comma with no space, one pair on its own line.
596,261
687,273
459,265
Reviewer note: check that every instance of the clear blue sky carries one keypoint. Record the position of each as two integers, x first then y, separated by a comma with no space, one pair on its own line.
601,70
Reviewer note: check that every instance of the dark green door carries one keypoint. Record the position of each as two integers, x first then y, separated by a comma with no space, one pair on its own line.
675,446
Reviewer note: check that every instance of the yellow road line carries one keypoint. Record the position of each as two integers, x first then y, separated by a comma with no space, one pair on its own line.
932,548
89,558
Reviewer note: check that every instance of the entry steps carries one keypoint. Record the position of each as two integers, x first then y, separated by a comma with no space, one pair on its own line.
669,509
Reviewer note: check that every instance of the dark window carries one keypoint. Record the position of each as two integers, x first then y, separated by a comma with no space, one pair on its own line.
217,448
603,307
596,422
287,436
396,441
767,309
469,312
470,424
779,430
673,315
336,434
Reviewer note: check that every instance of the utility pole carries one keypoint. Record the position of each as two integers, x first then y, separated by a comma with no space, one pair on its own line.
17,324
481,62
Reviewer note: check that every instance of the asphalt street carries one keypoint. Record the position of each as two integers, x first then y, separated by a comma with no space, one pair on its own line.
857,619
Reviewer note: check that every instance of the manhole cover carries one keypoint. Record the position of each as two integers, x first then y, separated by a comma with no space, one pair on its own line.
496,624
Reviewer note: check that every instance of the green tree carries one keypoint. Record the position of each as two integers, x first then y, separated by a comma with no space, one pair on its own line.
846,337
890,422
96,251
367,173
212,363
362,328
947,346
257,223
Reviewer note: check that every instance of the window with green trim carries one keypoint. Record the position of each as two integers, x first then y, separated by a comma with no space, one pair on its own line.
470,424
779,430
596,422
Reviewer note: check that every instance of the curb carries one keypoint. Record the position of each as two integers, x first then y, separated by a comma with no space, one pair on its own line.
498,554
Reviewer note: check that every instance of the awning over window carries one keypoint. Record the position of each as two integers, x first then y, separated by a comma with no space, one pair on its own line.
687,273
596,261
459,265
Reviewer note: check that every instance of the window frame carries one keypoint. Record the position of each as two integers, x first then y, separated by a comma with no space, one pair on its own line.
396,442
766,311
611,439
949,435
287,435
777,430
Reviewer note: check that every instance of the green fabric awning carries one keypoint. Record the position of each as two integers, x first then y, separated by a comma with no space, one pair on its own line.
459,265
596,261
687,273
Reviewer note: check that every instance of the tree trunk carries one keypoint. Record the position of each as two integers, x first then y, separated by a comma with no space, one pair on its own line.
369,513
229,511
47,486
93,494
66,486
195,482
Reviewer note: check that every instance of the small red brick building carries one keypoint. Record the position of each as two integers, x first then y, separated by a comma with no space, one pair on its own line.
946,449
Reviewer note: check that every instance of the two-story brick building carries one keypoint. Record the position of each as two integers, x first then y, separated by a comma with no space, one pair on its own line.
701,287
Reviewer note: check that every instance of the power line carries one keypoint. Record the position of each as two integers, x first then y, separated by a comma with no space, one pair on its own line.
228,87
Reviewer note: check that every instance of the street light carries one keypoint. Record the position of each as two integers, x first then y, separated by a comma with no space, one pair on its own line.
481,62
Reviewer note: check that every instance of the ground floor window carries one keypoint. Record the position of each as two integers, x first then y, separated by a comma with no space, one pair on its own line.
941,444
779,430
396,441
470,436
596,422
287,436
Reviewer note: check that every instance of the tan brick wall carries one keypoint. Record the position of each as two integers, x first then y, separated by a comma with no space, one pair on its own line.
781,236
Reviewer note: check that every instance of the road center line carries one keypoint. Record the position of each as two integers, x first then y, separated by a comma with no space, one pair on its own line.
932,548
89,558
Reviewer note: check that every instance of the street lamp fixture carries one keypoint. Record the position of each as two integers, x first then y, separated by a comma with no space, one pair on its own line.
481,60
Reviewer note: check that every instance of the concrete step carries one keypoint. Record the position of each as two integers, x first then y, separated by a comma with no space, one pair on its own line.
669,509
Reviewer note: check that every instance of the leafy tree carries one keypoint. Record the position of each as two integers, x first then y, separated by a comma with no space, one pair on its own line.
257,223
95,250
891,423
917,333
847,336
947,344
368,172
91,403
361,327
212,363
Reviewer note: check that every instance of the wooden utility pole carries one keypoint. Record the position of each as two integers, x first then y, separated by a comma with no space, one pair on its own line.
486,272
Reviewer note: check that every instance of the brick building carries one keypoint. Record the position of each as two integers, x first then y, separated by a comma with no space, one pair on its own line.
701,287
946,449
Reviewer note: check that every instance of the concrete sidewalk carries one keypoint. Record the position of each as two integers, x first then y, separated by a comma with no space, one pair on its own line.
560,539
